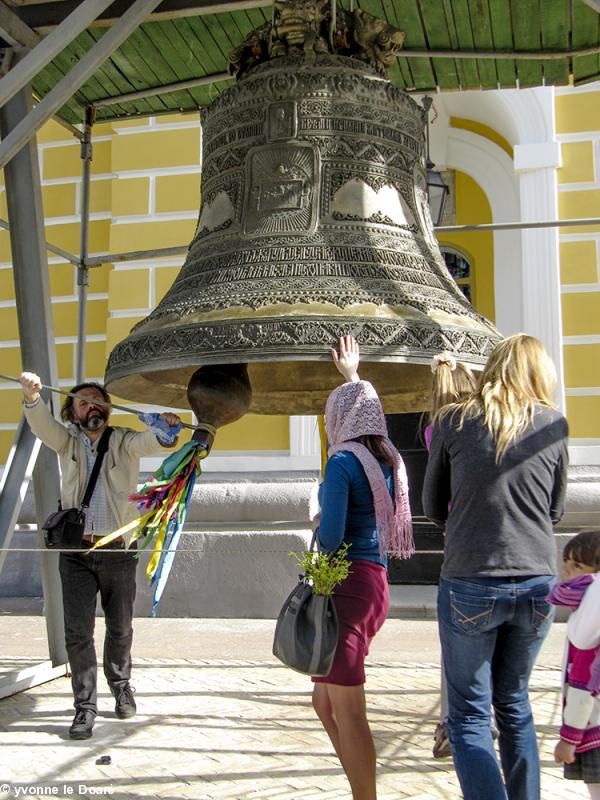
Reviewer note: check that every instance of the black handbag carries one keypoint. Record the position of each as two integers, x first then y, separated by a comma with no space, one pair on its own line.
306,633
64,528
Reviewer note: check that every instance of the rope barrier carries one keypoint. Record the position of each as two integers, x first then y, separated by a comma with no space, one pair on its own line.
134,550
193,549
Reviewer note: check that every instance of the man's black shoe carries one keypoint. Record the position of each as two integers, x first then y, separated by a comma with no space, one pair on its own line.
83,724
125,706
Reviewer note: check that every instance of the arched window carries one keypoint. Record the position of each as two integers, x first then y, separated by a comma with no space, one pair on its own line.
460,268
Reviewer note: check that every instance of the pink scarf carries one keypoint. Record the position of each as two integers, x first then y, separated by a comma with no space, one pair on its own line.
569,593
354,410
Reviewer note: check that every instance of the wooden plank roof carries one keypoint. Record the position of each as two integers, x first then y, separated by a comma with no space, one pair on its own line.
449,45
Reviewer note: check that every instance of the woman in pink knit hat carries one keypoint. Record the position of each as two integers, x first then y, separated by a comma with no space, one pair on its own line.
364,503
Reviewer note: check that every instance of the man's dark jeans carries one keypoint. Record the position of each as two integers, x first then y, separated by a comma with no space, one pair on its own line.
112,573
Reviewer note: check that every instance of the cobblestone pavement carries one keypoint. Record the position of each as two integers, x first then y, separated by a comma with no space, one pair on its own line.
228,729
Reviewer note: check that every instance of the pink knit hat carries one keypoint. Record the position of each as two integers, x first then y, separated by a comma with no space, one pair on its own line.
354,410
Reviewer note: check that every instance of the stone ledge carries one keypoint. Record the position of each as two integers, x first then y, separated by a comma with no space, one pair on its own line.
412,602
583,497
420,602
238,497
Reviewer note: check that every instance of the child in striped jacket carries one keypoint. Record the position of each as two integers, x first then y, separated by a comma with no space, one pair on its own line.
579,745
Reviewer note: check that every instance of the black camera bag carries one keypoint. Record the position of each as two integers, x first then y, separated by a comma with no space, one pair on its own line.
64,529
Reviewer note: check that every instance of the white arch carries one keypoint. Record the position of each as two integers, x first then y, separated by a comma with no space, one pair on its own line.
531,112
492,169
526,269
521,116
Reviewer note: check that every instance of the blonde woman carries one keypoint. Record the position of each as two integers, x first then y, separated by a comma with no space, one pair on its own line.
496,480
452,382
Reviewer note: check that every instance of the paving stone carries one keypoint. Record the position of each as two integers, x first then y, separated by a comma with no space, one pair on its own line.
218,729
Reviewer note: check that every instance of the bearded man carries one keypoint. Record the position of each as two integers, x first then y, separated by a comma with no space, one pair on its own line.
110,571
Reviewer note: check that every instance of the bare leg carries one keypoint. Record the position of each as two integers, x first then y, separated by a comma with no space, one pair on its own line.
357,751
594,790
322,705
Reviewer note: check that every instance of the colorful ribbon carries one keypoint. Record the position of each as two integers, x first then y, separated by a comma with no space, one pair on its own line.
165,497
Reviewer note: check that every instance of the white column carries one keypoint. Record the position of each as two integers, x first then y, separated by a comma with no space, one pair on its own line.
305,447
542,317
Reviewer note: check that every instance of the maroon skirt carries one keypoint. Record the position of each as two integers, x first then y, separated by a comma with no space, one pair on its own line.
362,602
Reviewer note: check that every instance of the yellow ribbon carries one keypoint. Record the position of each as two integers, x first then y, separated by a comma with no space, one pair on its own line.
158,545
135,525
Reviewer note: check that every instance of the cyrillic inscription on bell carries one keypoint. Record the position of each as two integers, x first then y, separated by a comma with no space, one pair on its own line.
314,223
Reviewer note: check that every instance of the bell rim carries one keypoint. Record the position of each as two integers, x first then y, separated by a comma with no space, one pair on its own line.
307,342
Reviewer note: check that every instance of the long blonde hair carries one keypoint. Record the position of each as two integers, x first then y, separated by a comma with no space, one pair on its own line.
518,376
452,383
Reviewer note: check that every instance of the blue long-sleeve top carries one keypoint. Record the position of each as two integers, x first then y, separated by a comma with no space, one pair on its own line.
347,510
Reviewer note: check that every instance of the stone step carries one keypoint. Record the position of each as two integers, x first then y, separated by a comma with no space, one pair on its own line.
413,602
240,573
234,553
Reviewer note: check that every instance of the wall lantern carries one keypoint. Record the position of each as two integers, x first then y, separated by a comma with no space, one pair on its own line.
437,188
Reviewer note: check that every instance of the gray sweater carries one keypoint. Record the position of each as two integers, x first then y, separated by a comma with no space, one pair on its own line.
498,517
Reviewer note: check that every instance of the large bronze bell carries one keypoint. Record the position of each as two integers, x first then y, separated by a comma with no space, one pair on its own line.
314,223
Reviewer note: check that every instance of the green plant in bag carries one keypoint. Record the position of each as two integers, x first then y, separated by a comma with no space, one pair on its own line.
324,570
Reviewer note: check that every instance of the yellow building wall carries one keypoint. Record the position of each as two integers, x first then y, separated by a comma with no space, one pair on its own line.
578,131
145,193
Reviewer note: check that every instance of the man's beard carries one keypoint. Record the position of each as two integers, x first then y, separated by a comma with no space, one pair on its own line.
94,420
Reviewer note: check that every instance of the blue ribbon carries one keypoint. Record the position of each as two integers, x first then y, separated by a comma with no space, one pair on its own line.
174,531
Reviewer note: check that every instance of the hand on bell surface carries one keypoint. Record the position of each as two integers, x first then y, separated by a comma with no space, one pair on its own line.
32,386
348,359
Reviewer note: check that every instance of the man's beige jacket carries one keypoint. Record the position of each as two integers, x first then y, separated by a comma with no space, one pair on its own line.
120,468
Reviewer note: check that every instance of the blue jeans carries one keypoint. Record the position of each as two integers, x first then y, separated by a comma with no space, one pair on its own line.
491,630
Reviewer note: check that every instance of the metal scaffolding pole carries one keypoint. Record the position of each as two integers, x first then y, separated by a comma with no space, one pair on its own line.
49,47
32,292
523,226
166,89
137,255
65,88
82,269
165,252
15,480
58,251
